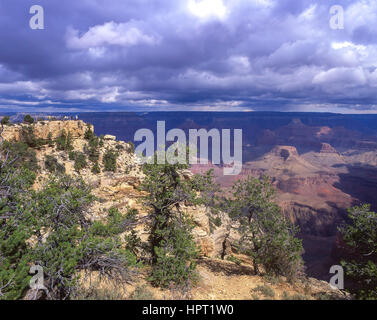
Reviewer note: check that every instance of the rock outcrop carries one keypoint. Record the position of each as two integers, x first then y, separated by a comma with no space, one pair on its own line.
42,129
328,149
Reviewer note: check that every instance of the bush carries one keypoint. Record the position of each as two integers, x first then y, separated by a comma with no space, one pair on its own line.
110,160
265,291
360,265
142,293
217,222
73,243
295,297
14,230
64,142
28,119
28,137
96,168
21,154
80,161
49,141
265,235
234,259
131,148
101,143
72,155
89,134
52,165
92,149
5,120
95,292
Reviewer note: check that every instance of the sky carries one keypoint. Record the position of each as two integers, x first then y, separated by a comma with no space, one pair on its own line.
210,55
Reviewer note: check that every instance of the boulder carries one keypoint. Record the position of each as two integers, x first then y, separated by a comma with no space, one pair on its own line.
109,137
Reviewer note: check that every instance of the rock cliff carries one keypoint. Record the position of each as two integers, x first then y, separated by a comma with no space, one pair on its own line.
42,129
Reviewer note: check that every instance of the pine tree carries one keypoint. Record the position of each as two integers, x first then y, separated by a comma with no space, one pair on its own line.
360,236
266,235
172,245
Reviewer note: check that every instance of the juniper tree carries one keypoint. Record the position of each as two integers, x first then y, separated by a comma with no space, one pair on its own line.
28,119
64,141
172,245
265,234
110,160
5,120
80,161
89,134
360,236
14,229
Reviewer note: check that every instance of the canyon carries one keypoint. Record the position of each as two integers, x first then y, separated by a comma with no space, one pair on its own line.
320,163
294,177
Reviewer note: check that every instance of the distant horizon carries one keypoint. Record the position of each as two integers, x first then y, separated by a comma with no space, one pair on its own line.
182,111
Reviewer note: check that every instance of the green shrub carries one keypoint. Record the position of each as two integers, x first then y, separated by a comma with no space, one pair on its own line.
71,245
72,155
96,168
142,293
110,160
101,143
95,292
80,161
272,279
265,234
5,120
28,119
131,148
234,259
28,137
64,141
254,296
296,296
360,235
52,165
92,149
265,291
22,155
49,141
217,222
89,134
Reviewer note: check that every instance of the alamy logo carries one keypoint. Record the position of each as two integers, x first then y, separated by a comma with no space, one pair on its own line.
177,151
337,17
37,20
337,281
37,281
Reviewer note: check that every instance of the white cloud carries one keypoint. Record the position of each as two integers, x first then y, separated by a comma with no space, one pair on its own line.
110,33
347,44
361,13
339,78
208,8
309,13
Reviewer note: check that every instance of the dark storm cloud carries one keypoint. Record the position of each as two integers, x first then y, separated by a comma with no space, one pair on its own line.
204,54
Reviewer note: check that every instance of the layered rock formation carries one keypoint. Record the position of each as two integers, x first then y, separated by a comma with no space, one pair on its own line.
42,129
328,149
